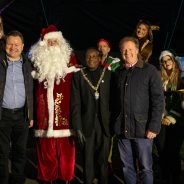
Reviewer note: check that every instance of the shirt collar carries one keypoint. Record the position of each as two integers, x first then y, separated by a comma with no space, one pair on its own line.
9,61
138,64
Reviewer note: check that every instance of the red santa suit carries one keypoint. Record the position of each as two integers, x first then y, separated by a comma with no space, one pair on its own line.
55,143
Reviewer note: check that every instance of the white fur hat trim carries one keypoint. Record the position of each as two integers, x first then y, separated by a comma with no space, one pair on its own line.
165,53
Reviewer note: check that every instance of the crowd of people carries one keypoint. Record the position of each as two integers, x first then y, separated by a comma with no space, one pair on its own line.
72,107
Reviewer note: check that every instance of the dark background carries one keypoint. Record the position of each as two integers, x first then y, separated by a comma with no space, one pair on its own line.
84,22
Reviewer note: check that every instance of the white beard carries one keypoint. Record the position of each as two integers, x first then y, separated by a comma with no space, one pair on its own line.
50,62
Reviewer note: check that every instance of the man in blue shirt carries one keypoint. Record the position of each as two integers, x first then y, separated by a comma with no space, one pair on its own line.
16,108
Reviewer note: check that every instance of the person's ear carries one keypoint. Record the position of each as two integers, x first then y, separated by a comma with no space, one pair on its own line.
22,46
109,49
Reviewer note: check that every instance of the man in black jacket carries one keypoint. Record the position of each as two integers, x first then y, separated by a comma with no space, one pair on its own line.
90,116
16,108
141,103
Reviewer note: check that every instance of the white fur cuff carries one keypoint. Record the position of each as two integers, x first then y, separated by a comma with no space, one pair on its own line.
171,119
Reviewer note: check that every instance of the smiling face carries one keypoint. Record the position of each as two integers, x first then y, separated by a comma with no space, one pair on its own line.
52,42
14,47
104,48
92,59
142,31
129,52
168,63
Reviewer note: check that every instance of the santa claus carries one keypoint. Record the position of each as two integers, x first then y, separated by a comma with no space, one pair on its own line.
54,64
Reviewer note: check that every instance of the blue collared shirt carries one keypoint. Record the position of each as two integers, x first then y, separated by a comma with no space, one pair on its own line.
14,93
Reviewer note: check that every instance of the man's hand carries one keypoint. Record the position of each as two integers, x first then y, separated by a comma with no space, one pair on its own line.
150,135
31,123
80,138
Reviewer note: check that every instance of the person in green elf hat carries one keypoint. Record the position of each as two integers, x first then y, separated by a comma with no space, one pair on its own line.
106,60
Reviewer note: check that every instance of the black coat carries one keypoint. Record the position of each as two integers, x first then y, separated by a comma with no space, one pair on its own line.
83,104
26,67
138,100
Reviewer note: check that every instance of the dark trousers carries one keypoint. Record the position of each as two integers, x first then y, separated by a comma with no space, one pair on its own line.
140,149
171,138
13,133
96,152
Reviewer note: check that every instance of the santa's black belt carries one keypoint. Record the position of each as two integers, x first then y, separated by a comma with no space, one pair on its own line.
13,110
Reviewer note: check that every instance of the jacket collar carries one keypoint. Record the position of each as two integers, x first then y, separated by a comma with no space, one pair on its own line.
139,64
3,59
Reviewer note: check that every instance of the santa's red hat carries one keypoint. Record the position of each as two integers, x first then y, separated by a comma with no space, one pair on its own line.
50,30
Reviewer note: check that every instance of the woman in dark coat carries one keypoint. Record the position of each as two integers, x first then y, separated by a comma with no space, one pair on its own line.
170,139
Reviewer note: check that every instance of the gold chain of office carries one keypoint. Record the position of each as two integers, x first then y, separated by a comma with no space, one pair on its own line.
98,83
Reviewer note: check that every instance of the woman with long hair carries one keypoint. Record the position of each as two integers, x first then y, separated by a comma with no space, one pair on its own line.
170,139
143,32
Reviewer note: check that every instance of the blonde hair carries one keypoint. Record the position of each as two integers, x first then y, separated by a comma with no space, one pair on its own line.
174,77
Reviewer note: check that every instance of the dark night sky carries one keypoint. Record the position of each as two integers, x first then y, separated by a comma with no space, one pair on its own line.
83,22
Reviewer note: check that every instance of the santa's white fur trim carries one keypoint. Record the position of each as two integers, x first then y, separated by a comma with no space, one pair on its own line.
72,69
41,43
54,133
33,73
50,100
53,35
